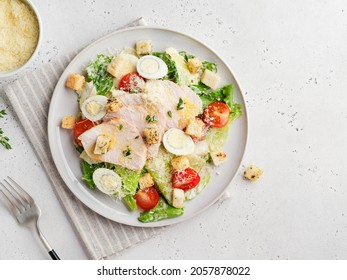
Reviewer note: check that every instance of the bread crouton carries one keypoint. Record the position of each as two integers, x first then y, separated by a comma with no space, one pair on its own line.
151,135
68,122
210,79
146,181
178,198
75,81
113,105
102,145
195,128
194,65
218,157
143,47
122,64
253,173
180,163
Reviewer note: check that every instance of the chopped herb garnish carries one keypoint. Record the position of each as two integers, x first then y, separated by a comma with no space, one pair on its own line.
127,152
2,113
137,137
180,104
151,119
120,127
133,91
169,113
4,139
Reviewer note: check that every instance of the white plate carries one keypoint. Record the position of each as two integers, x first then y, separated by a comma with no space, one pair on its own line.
64,102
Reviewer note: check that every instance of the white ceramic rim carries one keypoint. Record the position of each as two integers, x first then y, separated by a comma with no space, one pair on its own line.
19,69
167,221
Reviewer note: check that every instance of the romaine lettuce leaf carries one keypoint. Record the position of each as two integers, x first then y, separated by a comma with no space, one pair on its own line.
97,72
172,74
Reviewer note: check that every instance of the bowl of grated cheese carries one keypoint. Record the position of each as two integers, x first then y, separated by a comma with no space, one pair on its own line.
20,35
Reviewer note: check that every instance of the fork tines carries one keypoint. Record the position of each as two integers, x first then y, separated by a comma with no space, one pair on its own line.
14,196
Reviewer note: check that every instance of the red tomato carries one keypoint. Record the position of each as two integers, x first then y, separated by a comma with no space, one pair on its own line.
147,198
185,179
81,127
216,114
132,82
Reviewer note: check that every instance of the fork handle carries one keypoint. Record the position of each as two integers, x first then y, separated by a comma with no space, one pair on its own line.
53,255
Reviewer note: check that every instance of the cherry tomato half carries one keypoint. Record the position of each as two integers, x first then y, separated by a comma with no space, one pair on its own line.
147,198
81,127
132,82
216,114
185,179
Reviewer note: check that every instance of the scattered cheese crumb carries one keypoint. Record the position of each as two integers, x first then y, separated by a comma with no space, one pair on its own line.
253,173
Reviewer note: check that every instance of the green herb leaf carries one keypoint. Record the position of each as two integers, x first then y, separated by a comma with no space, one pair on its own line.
120,127
169,114
127,152
2,113
186,56
151,119
180,104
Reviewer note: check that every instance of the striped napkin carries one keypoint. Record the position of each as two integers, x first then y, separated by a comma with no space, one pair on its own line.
101,237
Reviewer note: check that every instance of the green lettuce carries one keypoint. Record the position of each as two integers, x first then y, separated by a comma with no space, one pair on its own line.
172,74
97,72
205,64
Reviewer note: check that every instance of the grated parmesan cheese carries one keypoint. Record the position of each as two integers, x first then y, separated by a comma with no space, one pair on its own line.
19,34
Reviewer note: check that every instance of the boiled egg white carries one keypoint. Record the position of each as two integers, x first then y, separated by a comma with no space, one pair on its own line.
94,107
178,143
151,67
108,181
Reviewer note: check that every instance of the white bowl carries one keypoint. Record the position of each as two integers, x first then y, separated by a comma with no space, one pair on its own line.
12,72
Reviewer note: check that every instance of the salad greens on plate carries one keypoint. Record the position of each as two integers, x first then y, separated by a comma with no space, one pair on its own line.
151,127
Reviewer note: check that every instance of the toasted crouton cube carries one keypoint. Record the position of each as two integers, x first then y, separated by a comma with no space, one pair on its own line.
180,163
218,157
146,181
151,135
122,64
178,198
75,81
144,47
253,173
195,128
210,79
194,65
68,122
102,145
113,105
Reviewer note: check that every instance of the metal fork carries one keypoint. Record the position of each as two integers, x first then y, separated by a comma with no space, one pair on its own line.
24,209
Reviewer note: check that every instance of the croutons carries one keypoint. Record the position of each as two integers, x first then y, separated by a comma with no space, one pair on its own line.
113,105
144,47
210,79
218,157
75,81
178,198
151,135
68,122
146,181
180,163
194,65
195,128
102,145
122,64
253,173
